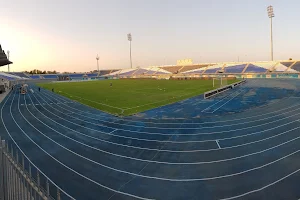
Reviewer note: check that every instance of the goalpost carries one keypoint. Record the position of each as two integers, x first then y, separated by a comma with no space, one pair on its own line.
219,81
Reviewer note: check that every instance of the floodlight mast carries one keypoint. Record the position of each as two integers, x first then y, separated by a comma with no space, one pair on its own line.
271,15
97,58
130,39
8,52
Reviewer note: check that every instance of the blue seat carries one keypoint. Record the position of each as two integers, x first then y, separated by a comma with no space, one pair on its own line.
255,69
140,72
195,72
76,75
296,67
235,69
50,76
104,72
91,75
35,77
20,74
212,71
6,77
127,73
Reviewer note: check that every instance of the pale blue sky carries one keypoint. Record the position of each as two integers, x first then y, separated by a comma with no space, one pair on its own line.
66,35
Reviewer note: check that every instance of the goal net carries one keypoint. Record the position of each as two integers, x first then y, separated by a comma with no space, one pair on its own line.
219,81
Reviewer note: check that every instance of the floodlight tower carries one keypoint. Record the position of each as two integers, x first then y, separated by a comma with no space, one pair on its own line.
8,59
271,15
130,39
97,58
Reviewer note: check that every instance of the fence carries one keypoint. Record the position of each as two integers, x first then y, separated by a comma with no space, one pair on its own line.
23,180
212,93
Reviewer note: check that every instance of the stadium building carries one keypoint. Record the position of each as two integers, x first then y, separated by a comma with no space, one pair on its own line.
56,145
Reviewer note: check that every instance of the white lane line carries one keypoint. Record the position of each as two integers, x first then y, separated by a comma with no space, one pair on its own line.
111,122
143,148
217,102
236,119
189,141
167,179
94,101
183,134
64,192
262,188
91,180
180,102
227,101
59,96
113,131
218,144
205,162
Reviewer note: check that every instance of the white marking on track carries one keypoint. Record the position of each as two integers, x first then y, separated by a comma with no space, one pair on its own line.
221,121
227,102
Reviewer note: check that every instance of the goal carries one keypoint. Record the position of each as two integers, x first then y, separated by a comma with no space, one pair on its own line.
219,81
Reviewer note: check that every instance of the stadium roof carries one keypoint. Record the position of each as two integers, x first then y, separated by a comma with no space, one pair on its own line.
3,58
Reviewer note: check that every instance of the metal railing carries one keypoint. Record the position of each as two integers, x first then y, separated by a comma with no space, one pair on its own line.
17,181
214,92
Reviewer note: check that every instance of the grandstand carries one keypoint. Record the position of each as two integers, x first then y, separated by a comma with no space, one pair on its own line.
35,77
238,69
76,76
68,130
212,69
48,76
20,74
172,69
91,75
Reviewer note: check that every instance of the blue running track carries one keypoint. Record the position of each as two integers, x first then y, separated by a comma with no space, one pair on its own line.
243,144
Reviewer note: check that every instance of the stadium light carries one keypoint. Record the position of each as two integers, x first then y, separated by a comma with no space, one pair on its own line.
271,15
130,39
97,58
8,59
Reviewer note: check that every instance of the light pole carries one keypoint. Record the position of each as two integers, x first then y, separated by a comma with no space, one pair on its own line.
130,39
271,15
97,58
8,59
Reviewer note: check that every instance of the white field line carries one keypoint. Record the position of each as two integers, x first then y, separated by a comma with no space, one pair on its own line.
274,127
93,101
160,178
63,147
237,119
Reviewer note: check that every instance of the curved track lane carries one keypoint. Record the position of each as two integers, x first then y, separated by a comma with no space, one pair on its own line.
248,156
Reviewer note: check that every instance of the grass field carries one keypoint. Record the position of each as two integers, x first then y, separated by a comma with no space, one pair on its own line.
129,96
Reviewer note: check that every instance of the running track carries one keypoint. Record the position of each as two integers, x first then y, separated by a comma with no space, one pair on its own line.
252,154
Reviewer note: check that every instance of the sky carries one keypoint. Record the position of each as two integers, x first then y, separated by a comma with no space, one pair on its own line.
67,35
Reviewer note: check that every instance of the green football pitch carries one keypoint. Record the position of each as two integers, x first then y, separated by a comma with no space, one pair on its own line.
130,96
